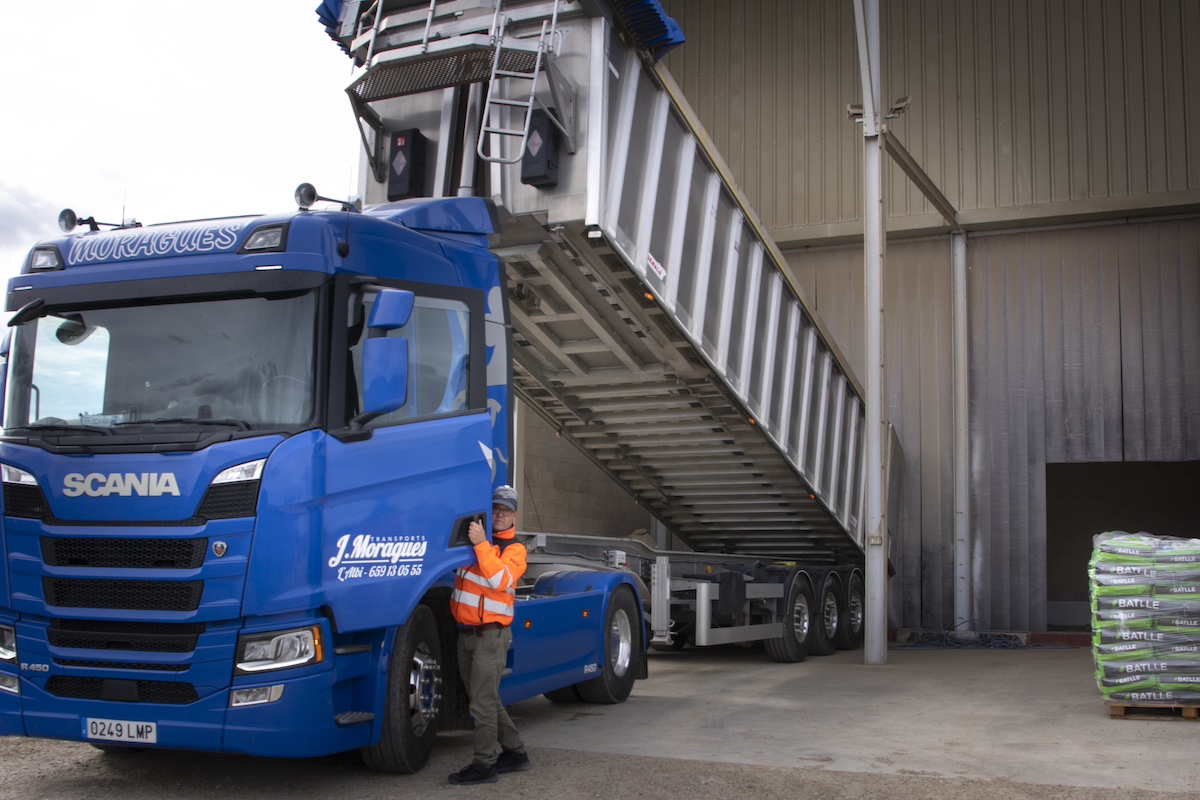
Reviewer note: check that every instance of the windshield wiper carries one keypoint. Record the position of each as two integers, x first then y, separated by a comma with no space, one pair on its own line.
64,426
240,424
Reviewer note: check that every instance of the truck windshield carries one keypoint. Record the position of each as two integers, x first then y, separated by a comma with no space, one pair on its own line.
246,362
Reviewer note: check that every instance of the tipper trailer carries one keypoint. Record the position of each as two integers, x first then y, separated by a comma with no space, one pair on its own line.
655,325
239,455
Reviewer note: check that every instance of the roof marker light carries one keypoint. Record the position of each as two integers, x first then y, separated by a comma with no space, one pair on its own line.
45,259
267,238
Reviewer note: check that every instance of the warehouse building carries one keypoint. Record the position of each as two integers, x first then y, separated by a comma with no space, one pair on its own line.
1063,140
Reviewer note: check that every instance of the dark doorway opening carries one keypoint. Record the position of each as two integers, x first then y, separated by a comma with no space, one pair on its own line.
1082,500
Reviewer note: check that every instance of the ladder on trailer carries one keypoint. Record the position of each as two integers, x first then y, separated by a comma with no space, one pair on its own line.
494,134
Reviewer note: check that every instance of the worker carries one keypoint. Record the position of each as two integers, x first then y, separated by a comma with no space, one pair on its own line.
482,604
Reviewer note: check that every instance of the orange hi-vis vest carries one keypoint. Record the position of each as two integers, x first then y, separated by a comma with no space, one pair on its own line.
484,592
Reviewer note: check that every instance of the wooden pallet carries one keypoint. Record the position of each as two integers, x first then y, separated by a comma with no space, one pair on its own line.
1118,710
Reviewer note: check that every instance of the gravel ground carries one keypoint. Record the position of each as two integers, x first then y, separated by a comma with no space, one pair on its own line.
35,769
729,723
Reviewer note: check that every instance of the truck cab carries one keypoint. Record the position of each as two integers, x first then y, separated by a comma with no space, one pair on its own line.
239,459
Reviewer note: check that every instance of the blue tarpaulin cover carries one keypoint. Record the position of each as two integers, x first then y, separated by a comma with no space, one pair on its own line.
644,20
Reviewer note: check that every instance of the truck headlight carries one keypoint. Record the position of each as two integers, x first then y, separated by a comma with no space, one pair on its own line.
19,476
8,644
250,471
260,652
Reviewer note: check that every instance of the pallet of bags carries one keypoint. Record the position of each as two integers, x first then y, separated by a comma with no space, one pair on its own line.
1145,601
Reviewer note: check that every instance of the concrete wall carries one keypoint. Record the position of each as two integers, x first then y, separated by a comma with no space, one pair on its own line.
562,491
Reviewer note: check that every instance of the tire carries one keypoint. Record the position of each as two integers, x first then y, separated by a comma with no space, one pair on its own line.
622,649
852,628
792,646
410,712
567,694
827,619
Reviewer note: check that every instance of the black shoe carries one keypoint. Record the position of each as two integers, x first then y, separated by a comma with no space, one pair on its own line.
512,761
474,773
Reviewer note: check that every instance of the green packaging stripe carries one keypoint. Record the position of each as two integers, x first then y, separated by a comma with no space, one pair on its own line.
1140,601
1144,624
1178,590
1177,682
1116,585
1181,557
1179,652
1155,696
1124,615
1113,669
1105,636
1123,543
1160,605
1122,651
1128,682
1155,573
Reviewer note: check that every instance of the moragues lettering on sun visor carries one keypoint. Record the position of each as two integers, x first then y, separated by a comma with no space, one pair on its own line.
144,484
149,243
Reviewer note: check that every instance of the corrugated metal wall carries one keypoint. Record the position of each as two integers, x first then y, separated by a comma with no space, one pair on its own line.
1085,347
917,354
1084,341
1021,109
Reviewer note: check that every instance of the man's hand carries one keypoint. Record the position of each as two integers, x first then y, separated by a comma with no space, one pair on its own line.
476,533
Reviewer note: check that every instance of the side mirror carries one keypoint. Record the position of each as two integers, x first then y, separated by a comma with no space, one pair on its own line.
391,310
385,376
385,360
5,349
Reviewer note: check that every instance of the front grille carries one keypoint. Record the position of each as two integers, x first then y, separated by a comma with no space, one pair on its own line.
25,501
70,662
132,553
55,522
140,595
146,637
122,691
229,500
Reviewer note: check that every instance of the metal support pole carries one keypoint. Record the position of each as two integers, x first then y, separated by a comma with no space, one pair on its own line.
962,448
866,14
466,184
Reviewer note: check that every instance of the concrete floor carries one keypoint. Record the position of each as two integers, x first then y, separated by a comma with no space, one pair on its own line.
1032,715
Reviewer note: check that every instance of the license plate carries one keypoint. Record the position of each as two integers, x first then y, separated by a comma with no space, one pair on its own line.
120,730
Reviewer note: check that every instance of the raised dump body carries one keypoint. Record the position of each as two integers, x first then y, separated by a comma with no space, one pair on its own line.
654,323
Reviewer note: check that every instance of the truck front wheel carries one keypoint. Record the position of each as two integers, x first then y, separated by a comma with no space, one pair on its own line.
622,647
414,694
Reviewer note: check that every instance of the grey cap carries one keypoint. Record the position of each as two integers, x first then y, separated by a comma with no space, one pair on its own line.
505,496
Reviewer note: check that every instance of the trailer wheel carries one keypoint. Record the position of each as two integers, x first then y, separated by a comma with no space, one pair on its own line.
622,648
414,694
792,646
829,613
852,627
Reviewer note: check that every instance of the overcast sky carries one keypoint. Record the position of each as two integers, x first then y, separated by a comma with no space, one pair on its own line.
168,110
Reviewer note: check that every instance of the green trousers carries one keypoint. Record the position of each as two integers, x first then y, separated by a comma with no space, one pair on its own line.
481,661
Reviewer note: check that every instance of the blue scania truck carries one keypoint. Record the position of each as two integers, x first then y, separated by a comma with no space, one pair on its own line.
239,459
239,456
